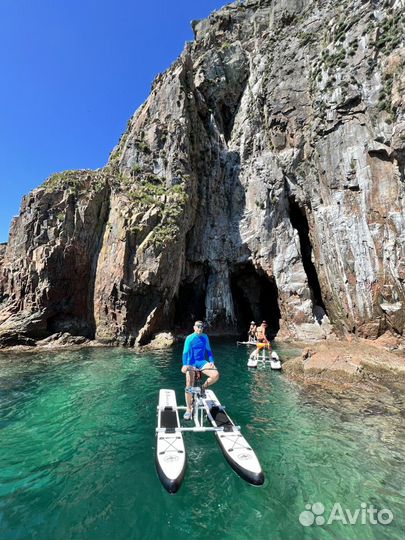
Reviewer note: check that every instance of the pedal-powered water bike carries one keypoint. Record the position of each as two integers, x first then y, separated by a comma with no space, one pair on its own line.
263,354
170,449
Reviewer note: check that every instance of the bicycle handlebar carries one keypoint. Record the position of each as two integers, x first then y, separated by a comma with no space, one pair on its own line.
193,369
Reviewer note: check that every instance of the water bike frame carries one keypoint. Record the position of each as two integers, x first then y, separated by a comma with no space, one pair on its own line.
234,446
199,408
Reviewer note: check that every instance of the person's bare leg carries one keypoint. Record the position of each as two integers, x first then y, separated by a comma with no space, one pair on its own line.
188,396
212,377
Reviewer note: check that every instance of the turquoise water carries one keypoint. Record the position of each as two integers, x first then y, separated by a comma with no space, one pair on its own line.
77,453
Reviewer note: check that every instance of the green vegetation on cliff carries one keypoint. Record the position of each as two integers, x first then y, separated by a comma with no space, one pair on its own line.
76,181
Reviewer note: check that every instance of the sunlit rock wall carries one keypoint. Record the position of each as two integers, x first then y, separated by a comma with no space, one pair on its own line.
263,178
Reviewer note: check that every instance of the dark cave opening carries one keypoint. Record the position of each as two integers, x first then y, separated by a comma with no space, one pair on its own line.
299,221
254,295
227,117
255,298
190,304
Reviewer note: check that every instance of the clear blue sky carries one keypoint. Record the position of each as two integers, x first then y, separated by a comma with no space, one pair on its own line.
72,73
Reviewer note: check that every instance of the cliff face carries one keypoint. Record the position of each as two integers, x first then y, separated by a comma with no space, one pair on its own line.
263,178
49,263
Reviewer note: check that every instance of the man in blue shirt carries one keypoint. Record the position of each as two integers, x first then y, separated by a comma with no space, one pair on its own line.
197,354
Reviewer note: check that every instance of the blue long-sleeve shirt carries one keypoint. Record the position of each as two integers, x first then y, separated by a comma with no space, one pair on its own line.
197,350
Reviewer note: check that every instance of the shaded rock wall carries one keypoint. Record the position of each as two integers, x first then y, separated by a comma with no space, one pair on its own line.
50,260
262,178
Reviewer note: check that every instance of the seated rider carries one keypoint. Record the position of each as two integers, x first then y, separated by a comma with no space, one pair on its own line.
197,354
252,332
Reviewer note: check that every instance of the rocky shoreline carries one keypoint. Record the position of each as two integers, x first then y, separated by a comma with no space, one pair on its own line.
334,365
343,364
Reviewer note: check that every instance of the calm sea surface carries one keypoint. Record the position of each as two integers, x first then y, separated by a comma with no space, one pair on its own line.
77,445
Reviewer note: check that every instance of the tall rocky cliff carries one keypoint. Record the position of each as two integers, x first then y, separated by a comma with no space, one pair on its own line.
262,178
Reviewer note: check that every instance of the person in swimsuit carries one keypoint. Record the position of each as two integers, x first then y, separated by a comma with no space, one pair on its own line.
262,341
197,354
252,331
